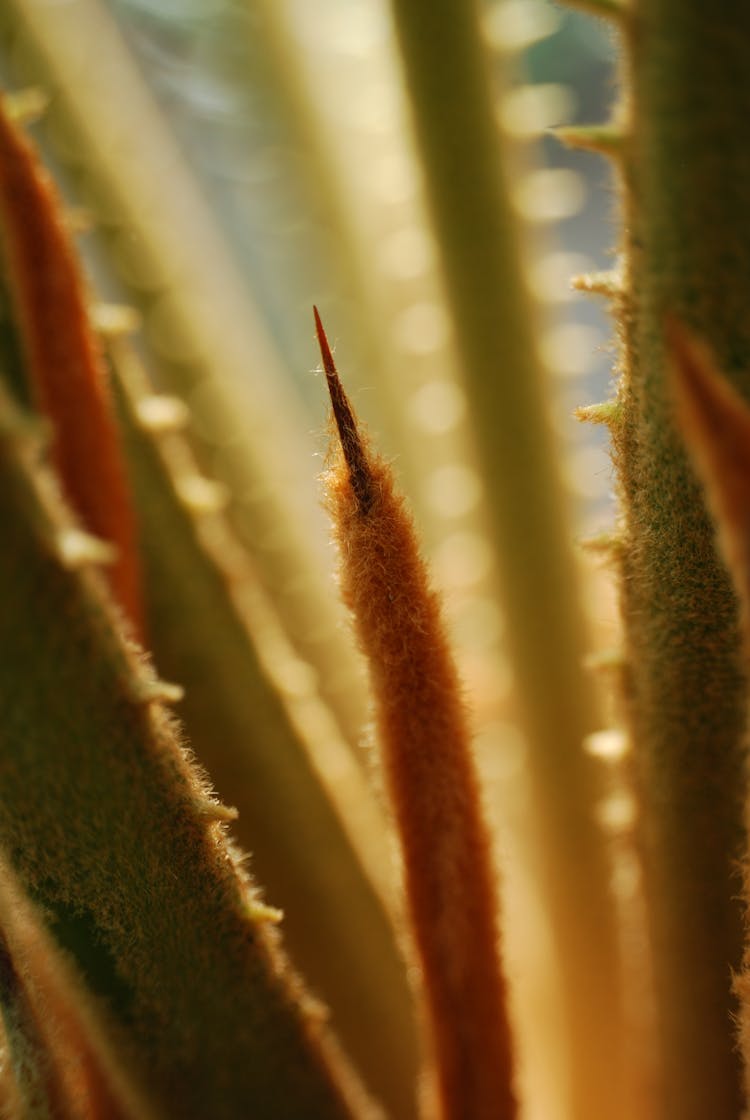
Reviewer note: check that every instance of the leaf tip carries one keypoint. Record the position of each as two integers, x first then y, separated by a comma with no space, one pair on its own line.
352,444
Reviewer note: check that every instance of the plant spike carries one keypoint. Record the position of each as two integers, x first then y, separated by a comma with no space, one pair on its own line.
426,757
686,251
360,475
65,363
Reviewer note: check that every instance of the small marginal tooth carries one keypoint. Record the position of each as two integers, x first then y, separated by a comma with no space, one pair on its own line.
606,283
78,549
202,495
113,320
608,139
159,413
144,690
260,912
26,106
606,412
215,810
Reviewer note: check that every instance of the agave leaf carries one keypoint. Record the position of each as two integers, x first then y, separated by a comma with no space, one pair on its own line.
104,819
426,755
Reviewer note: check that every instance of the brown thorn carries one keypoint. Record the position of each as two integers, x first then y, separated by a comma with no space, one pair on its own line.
351,442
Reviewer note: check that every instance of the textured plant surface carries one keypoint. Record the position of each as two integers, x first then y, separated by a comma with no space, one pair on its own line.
276,847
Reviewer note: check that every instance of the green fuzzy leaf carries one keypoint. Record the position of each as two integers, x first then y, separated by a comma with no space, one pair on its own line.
101,814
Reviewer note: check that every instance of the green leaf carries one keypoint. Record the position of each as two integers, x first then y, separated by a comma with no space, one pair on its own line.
104,819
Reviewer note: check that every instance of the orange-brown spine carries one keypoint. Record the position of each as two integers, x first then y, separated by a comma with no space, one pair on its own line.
426,754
